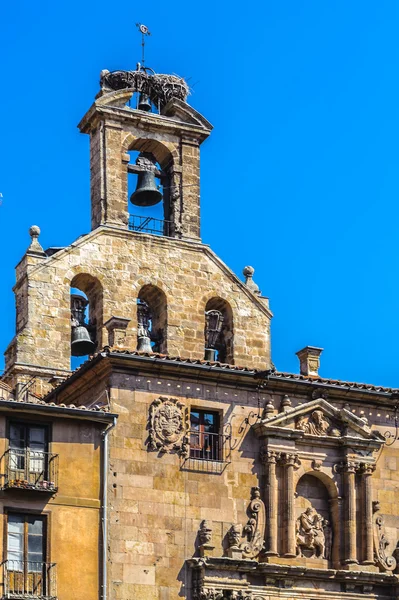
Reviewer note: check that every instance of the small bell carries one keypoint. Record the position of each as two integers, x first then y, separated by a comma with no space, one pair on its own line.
144,344
81,344
144,102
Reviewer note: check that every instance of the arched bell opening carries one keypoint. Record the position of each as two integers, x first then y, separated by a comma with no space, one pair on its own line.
219,333
315,524
86,300
152,318
150,188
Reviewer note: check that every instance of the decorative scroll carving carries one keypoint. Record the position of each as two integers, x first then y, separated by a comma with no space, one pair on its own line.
381,543
317,424
160,88
255,527
313,535
168,426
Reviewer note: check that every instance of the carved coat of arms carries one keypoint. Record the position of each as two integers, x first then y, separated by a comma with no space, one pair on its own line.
168,426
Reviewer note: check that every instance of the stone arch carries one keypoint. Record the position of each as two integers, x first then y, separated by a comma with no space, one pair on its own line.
166,153
155,298
225,343
317,519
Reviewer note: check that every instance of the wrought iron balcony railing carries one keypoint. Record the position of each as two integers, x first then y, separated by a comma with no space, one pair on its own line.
31,470
29,579
150,225
209,451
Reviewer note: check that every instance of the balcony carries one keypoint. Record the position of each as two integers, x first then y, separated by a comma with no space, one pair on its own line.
150,225
30,470
29,579
209,452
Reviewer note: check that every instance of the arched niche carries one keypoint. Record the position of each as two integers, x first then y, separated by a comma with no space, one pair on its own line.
224,344
150,168
316,518
89,288
155,299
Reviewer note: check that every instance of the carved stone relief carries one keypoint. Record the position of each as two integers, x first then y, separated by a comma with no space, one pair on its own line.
381,543
255,527
317,424
313,535
168,426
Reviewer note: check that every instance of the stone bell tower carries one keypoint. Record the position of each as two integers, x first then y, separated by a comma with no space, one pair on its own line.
129,284
172,137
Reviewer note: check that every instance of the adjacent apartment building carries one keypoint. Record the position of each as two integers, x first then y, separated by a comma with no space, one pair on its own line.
176,462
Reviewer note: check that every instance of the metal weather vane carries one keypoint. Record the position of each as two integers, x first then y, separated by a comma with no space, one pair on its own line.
144,31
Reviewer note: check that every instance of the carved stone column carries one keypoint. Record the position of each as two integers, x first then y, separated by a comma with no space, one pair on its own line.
290,462
269,459
366,470
349,473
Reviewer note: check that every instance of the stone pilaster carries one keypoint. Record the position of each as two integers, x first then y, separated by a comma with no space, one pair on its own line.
349,469
290,463
269,459
366,471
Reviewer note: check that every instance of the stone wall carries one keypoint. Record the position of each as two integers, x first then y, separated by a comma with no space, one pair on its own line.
121,263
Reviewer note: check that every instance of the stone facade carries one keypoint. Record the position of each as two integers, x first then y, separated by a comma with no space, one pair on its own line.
221,479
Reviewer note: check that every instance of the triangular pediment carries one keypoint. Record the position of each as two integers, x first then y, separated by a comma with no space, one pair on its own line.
319,419
181,111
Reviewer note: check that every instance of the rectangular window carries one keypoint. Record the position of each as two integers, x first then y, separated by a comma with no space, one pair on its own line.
26,555
205,438
27,452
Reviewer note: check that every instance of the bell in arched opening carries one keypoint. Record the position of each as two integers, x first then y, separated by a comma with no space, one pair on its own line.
213,327
81,342
147,192
143,327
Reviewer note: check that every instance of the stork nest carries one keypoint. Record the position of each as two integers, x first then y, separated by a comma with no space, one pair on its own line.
160,88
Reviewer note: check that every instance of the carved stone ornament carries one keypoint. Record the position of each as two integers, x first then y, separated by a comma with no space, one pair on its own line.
313,535
317,424
234,535
205,533
168,426
254,530
381,543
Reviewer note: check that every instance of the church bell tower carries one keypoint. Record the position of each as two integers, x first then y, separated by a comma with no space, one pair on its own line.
136,282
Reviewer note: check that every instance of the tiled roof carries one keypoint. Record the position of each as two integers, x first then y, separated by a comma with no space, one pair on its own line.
179,359
34,400
272,375
335,382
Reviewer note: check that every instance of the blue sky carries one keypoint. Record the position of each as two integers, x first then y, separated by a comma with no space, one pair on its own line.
299,179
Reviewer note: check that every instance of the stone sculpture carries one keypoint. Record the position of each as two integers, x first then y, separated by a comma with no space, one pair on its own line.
311,534
168,426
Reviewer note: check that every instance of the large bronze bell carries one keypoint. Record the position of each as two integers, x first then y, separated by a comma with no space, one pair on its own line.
144,102
147,192
81,344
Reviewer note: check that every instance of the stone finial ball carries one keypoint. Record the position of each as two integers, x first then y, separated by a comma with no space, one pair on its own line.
34,231
248,271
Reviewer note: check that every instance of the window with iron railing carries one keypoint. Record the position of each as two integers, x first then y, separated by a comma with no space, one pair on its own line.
205,442
28,464
27,573
210,448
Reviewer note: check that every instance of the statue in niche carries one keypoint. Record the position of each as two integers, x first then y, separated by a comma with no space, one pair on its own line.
316,424
313,535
